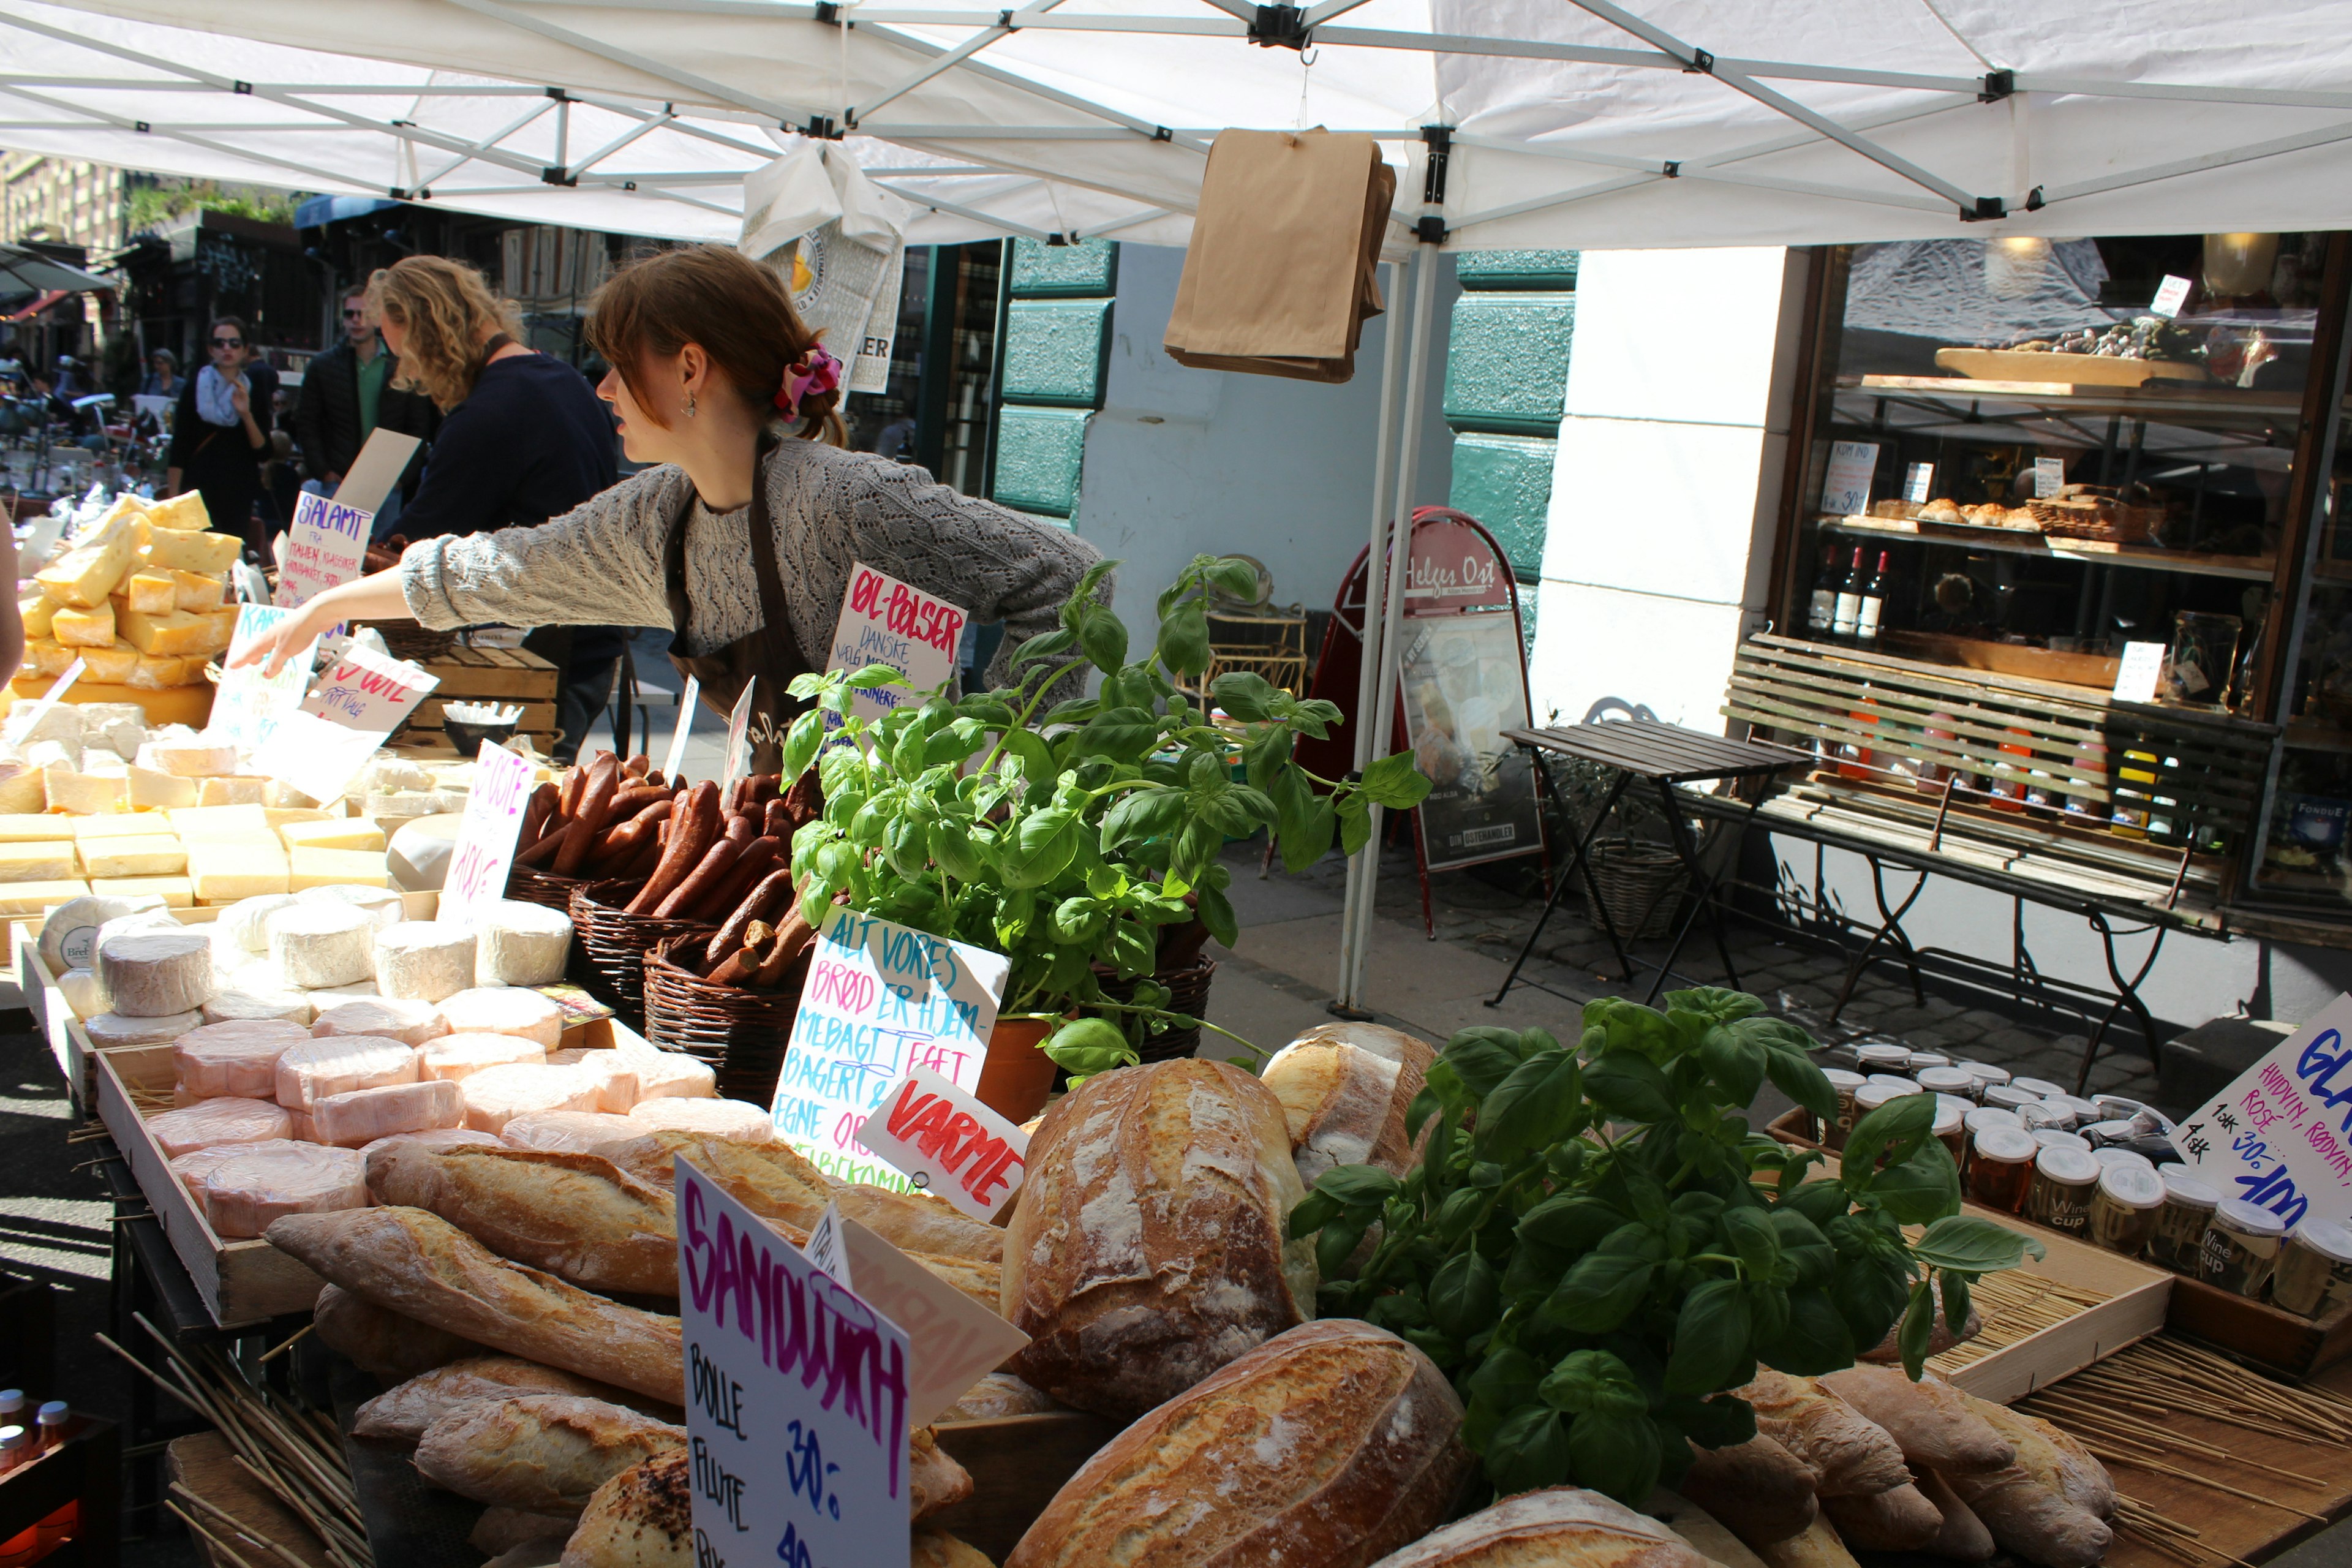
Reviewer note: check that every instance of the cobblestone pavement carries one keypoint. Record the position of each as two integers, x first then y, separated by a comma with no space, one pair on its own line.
1798,975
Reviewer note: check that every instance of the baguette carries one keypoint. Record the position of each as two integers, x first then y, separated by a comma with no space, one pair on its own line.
769,1179
1700,1530
418,1263
937,1549
1853,1455
381,1341
934,1479
1760,1490
546,1452
1817,1546
401,1414
2051,1456
1328,1444
1963,1535
2032,1520
1558,1525
1929,1419
1899,1518
579,1216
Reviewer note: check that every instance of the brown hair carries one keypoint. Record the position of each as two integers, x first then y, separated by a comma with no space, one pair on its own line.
448,311
737,309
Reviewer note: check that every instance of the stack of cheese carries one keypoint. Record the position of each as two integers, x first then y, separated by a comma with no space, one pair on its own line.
140,597
207,855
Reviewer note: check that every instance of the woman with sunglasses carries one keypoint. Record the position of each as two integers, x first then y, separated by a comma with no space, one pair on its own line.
220,435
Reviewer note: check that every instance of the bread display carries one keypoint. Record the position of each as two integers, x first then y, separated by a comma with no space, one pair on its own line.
1148,1249
1930,1419
1700,1530
402,1414
1963,1536
381,1341
579,1216
1758,1488
642,1517
1345,1089
1331,1444
2038,1523
2052,1457
934,1479
1853,1455
546,1452
1559,1525
995,1396
935,1549
1899,1518
914,1223
417,1263
1817,1546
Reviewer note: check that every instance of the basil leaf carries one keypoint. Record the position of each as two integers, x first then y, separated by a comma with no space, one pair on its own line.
1722,1422
1894,1124
1617,1455
1736,1065
1753,1237
1924,1187
1869,1296
1358,1187
1600,1292
1103,636
1537,1105
1483,1058
1570,1221
1803,1244
1395,783
1629,1087
1528,1451
1465,1295
1815,1339
1042,846
1955,1288
1918,1328
1801,1080
1714,1337
1974,1245
1819,1202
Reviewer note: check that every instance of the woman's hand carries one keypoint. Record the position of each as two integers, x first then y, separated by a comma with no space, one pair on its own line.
373,598
240,396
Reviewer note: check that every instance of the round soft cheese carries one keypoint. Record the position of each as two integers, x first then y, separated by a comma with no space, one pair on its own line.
290,1006
69,936
382,904
418,857
455,1056
568,1132
108,1030
496,1095
79,988
308,1073
242,1196
435,1138
671,1075
154,973
237,1058
614,1072
410,1023
504,1010
361,1116
322,944
737,1120
211,1121
522,945
245,924
190,1168
424,960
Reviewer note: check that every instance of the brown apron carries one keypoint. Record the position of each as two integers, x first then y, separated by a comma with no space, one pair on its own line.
773,653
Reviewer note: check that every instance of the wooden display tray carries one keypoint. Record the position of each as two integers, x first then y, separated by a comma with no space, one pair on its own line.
2064,370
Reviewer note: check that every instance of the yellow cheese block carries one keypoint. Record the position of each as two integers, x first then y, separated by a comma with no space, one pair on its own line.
182,552
37,613
39,862
195,591
182,513
150,673
176,893
189,705
151,856
132,824
172,632
231,791
233,871
21,789
338,868
26,828
32,897
111,666
217,821
349,833
279,816
46,658
224,626
150,791
77,627
152,591
86,575
84,794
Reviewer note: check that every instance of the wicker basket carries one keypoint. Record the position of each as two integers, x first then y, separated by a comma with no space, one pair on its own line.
740,1033
533,886
615,941
2097,518
1188,993
1641,885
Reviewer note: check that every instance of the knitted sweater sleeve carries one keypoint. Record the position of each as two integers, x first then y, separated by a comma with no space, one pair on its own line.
598,564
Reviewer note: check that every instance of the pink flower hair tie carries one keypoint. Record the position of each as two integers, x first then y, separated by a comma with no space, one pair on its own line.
814,374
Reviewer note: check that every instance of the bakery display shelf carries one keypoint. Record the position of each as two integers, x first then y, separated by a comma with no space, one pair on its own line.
2093,553
2317,736
2157,400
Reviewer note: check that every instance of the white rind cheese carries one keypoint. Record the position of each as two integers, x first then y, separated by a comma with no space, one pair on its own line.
424,961
106,1029
321,944
521,944
503,1010
193,759
361,1116
308,1073
232,1007
79,988
238,1058
247,922
156,973
410,1023
69,936
382,904
496,1095
457,1057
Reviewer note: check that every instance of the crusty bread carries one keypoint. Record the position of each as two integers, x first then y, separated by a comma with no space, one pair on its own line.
1853,1455
936,1548
381,1341
549,1452
1148,1249
2053,1456
1345,1089
1701,1531
1963,1537
997,1395
579,1216
1328,1444
1559,1525
418,1263
1929,1419
401,1414
1758,1488
642,1517
934,1479
2032,1520
1899,1518
1817,1546
912,1222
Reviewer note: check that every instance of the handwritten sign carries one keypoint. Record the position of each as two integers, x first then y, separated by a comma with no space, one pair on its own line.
790,1376
881,998
324,549
1845,488
885,621
686,702
2049,478
356,703
739,740
2170,295
947,1143
2136,673
952,1341
247,706
485,839
2281,1135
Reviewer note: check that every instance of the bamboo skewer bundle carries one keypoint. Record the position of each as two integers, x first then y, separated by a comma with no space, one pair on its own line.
2015,1306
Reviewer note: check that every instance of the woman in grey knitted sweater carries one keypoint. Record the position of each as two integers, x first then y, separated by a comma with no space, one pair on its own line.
707,356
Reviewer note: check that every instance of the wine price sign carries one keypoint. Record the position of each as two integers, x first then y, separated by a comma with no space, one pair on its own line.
485,839
885,621
2281,1136
356,702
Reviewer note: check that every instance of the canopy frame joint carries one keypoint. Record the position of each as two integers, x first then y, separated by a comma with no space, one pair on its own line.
1279,26
1997,85
1429,228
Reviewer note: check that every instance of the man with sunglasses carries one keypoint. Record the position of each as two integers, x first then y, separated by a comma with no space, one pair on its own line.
220,433
348,392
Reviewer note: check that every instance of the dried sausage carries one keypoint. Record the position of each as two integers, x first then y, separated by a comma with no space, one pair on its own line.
694,826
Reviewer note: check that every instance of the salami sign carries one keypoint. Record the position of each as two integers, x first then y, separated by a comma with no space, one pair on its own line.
324,549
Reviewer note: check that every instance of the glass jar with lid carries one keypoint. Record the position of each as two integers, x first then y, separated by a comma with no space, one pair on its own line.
2241,1247
2000,1167
2314,1279
1844,1083
2189,1201
2124,1208
1922,1060
1951,1130
1985,1116
2059,1194
2008,1097
1984,1073
1882,1058
1958,1082
2111,1155
2040,1088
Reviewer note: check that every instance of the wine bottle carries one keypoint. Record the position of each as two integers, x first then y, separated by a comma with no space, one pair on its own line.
1873,605
1847,617
1822,615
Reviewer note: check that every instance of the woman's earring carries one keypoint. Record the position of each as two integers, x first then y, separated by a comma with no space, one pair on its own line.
690,405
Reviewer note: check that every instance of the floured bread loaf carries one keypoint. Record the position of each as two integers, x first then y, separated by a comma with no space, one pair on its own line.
401,1414
1759,1489
1899,1518
237,1058
914,1221
1333,1443
1851,1454
381,1341
459,1057
410,1023
496,1095
1147,1247
503,1010
322,944
642,1517
211,1121
997,1395
155,973
1344,1102
1929,1419
738,1120
244,1195
1560,1525
769,1179
616,1075
937,1549
934,1479
567,1132
308,1073
424,960
362,1116
543,1451
579,1216
433,1138
2052,1455
521,944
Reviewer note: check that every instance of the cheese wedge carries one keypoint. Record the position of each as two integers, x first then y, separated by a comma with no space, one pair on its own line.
152,591
150,791
224,626
21,790
175,891
111,665
277,817
230,791
46,656
182,513
216,821
168,632
26,828
312,867
32,897
331,833
86,575
35,862
164,857
195,591
78,628
226,870
189,551
149,673
37,613
83,794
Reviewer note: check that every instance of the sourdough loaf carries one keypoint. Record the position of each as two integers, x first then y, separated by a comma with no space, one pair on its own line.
401,1414
381,1341
1963,1535
1758,1488
1324,1447
579,1216
1929,1419
996,1396
1560,1525
642,1517
1345,1089
1899,1518
2051,1456
547,1452
1852,1454
1147,1247
418,1263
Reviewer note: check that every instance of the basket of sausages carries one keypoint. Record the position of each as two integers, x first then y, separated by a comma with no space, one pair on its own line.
728,998
597,825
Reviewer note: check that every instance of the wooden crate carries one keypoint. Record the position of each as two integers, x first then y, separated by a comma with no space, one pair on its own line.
1017,1464
2272,1335
505,675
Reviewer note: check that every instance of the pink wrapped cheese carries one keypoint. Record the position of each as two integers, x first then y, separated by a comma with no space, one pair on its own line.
410,1023
361,1116
433,1138
568,1132
242,1196
504,1010
496,1095
238,1058
314,1070
737,1120
211,1121
614,1072
190,1169
671,1075
455,1056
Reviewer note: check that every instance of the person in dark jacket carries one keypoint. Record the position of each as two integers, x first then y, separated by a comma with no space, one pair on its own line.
348,392
220,433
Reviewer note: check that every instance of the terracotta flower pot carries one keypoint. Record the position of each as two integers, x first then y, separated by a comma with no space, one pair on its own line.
1016,1077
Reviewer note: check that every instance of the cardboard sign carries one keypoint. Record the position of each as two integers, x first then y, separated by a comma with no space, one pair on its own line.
2049,478
486,840
686,702
248,706
1845,491
885,621
2136,673
2279,1136
790,1376
738,741
947,1143
881,998
356,703
2170,295
325,548
375,470
952,1341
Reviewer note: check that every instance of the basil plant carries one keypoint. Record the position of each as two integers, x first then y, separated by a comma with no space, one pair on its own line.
1070,835
1597,1249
